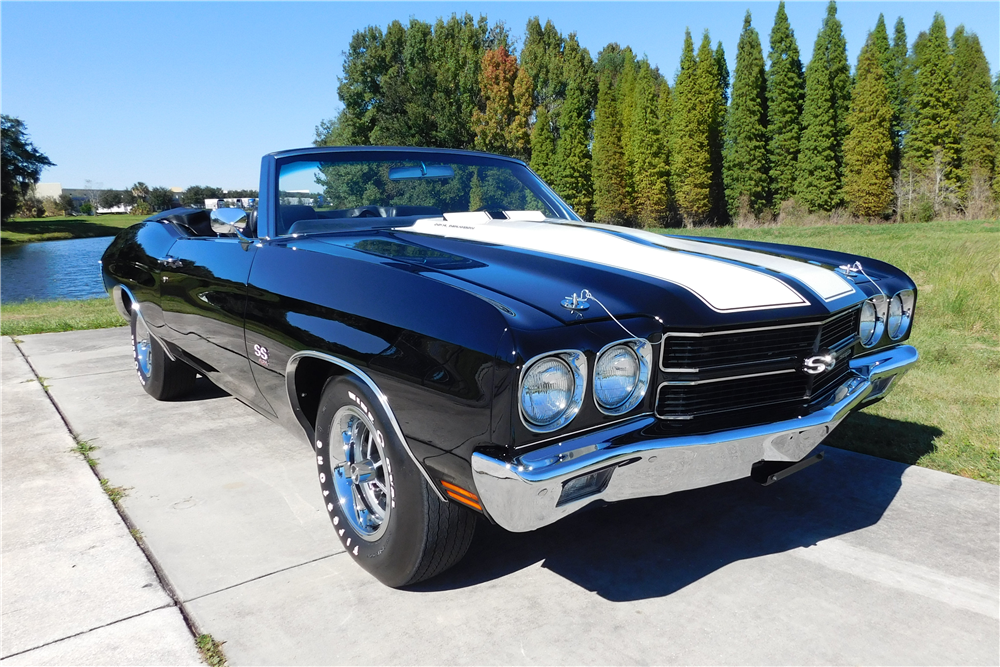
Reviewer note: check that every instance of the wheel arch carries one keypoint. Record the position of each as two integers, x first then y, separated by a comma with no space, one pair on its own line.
306,374
126,303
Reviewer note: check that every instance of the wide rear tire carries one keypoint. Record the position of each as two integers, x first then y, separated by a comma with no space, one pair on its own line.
385,513
162,377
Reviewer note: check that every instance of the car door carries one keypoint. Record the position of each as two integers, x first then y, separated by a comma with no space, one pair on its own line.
203,292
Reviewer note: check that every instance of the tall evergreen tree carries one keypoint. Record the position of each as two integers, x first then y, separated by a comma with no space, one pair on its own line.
868,147
542,57
745,166
785,93
520,131
543,147
996,126
932,146
824,119
717,135
695,109
610,203
976,110
887,58
625,93
573,158
648,154
840,79
898,89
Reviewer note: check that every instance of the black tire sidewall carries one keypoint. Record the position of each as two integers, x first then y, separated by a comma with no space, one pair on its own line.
395,555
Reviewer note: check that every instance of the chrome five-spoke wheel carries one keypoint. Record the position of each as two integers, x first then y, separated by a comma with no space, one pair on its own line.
142,347
361,479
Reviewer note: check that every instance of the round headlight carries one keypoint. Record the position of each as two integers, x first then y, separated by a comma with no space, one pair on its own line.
616,376
547,391
900,314
872,321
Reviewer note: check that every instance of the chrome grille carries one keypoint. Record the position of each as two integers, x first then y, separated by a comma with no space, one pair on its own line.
743,374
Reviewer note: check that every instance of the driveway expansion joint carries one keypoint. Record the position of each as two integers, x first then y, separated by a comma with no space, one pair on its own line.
161,575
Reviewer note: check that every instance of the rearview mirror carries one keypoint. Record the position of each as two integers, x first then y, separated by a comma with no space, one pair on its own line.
423,171
229,221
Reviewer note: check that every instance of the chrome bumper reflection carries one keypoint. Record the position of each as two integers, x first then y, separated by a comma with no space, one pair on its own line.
523,494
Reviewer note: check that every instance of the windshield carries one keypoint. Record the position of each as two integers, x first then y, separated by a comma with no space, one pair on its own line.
395,189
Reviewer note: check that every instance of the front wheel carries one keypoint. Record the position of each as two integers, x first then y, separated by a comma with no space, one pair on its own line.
386,515
162,378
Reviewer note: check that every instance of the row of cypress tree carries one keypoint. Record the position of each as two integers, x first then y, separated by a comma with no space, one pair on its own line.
912,132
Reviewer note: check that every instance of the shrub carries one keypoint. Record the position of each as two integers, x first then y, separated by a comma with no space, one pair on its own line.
141,208
31,207
86,208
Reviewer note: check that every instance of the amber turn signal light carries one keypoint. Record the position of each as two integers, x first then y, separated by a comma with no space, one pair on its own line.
461,495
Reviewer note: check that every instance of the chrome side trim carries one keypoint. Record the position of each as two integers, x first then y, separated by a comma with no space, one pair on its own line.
522,493
723,379
293,403
120,306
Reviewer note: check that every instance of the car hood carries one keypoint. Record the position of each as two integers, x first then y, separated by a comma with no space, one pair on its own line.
627,272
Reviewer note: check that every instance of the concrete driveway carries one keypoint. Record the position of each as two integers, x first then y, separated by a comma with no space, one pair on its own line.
855,560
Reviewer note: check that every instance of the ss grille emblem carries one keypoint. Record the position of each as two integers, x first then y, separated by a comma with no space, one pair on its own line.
821,363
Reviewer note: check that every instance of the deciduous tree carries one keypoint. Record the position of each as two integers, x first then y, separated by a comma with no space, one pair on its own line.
21,165
496,82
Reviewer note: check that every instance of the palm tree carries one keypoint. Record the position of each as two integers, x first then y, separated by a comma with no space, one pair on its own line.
140,190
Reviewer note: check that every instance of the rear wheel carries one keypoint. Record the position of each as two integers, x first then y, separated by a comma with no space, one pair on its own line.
162,378
386,515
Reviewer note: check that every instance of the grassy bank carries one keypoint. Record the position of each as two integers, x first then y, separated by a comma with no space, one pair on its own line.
945,414
31,317
28,230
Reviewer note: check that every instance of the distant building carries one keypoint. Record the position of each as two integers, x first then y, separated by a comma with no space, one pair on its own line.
53,190
230,202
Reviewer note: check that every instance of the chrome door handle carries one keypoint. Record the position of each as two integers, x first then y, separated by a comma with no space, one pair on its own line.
170,262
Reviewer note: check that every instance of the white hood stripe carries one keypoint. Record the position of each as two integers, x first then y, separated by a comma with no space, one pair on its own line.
721,285
825,283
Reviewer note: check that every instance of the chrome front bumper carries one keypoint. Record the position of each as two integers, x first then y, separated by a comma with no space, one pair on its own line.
524,494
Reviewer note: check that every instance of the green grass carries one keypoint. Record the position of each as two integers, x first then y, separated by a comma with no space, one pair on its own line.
27,230
945,413
211,651
31,317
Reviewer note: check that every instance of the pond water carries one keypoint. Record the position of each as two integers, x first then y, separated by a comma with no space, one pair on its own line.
50,270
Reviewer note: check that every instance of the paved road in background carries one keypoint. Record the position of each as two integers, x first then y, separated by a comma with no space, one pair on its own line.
855,560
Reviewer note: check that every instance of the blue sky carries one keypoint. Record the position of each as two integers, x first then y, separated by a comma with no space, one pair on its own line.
184,93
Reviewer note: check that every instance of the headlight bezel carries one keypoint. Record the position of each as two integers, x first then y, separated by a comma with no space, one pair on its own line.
576,362
906,299
879,304
643,352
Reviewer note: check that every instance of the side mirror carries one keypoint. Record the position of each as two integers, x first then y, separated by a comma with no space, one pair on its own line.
230,221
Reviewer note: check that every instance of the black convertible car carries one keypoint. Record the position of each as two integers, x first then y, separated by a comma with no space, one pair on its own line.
453,341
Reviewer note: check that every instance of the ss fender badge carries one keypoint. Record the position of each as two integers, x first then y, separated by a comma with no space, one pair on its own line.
821,363
261,353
